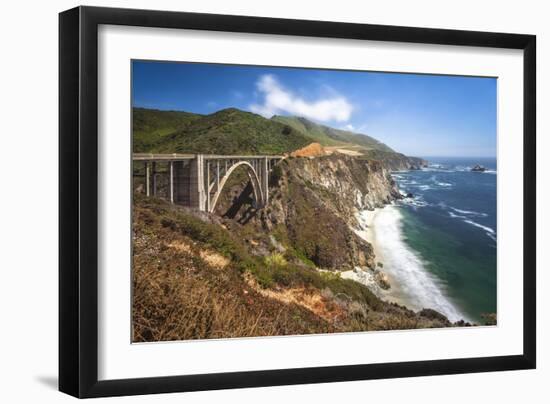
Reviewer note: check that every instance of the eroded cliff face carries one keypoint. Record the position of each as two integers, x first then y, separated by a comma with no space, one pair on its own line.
396,161
341,184
270,271
313,206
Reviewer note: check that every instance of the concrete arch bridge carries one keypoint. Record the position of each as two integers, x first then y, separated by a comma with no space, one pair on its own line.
197,180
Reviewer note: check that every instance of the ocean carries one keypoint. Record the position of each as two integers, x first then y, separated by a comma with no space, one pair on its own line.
440,245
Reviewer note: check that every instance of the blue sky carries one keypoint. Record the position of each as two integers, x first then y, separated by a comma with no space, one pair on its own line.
420,115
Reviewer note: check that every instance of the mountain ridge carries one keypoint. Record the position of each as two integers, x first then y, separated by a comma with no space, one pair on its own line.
233,131
329,136
148,121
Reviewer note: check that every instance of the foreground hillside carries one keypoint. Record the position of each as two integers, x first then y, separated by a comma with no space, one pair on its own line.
195,279
276,271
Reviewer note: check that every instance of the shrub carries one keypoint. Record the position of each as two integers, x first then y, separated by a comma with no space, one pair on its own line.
276,260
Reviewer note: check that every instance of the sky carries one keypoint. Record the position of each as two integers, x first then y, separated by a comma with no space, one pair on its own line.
419,115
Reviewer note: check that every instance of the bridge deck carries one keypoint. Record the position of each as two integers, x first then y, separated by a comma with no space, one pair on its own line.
154,156
177,156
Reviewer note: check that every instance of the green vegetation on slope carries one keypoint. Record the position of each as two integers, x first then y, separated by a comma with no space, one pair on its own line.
151,126
328,136
229,131
393,160
193,278
232,131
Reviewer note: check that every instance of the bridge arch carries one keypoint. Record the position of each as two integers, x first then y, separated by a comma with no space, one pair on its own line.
259,197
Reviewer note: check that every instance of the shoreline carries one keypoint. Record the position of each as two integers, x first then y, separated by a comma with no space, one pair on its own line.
411,284
394,294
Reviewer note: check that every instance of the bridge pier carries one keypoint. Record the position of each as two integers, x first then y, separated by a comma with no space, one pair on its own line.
197,193
264,178
208,186
147,175
217,174
171,181
197,180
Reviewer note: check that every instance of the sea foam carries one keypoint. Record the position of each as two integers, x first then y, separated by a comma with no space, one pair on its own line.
405,266
490,232
469,212
466,218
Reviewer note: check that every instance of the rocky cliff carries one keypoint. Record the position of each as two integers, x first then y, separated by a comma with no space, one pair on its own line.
244,272
313,207
396,161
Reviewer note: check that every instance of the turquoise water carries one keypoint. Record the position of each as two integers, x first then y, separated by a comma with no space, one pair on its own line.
451,224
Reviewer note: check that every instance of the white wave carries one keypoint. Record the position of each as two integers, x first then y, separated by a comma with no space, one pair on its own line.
469,212
487,229
407,182
419,203
444,184
416,202
436,169
424,187
454,215
403,264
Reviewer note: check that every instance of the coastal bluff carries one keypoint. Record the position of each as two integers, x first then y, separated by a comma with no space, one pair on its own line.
245,270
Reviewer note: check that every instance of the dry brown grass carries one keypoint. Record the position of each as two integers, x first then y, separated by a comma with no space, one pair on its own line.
182,290
210,257
179,306
311,150
190,288
309,298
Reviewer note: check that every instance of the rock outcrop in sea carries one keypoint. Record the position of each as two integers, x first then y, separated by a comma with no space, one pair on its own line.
478,168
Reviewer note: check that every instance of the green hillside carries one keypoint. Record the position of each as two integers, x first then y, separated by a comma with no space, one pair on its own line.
151,126
229,131
313,131
328,136
232,131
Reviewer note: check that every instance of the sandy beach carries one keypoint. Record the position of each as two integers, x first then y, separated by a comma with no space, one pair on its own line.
412,285
367,232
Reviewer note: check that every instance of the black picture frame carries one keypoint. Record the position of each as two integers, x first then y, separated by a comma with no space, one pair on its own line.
78,201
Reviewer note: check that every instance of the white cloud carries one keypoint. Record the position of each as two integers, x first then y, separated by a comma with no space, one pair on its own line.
349,127
277,99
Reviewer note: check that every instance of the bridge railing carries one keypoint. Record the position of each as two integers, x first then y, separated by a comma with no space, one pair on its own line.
161,157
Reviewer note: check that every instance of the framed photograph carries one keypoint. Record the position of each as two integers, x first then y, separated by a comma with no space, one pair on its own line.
251,201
